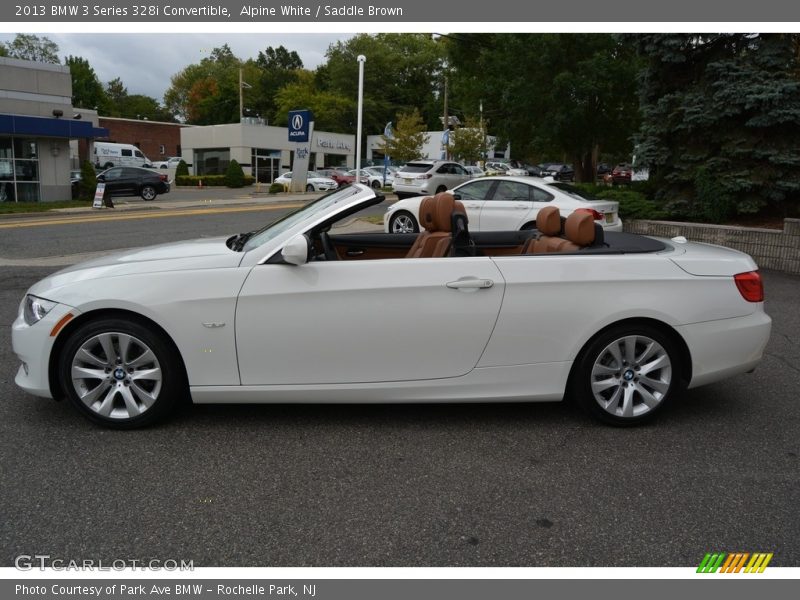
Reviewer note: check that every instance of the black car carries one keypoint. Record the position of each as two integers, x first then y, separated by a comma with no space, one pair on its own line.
558,171
134,181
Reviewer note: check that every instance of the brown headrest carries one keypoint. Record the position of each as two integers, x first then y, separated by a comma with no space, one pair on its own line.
435,212
579,228
548,221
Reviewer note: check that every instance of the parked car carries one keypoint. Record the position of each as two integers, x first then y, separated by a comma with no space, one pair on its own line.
373,177
340,176
502,203
295,313
426,176
134,181
314,182
110,154
171,163
475,172
558,171
621,174
602,169
503,168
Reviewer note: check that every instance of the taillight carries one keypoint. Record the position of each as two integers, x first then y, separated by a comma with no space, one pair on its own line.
162,177
750,286
424,176
595,215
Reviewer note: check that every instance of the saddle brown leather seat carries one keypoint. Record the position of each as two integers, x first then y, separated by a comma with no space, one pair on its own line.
579,232
436,216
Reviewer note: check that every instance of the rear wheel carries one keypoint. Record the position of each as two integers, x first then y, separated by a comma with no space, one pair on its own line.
120,373
627,374
149,192
441,189
309,188
403,222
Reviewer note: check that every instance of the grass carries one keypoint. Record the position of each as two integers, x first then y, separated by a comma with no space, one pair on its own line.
7,208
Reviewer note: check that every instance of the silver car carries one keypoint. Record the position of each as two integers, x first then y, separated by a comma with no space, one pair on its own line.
426,177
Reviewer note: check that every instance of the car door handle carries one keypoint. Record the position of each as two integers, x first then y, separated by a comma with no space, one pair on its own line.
472,205
470,283
354,252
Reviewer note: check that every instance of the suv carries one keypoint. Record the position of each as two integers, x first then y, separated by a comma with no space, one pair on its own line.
133,181
424,177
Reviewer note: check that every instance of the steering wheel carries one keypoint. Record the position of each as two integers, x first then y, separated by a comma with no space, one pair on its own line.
327,246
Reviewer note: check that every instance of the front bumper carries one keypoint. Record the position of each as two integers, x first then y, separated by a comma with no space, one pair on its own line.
32,344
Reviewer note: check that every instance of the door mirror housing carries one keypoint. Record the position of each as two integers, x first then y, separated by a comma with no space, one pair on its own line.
457,196
295,252
101,178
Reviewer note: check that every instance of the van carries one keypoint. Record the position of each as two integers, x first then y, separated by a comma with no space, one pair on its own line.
107,155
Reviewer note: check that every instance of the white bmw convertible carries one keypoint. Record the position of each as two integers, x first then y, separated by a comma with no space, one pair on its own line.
297,312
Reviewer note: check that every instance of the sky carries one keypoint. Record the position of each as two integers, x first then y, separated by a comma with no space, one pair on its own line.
145,62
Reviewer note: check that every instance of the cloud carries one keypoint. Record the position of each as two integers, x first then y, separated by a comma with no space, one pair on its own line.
145,62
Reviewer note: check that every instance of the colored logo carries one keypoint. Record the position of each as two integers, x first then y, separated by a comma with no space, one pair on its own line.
734,562
299,121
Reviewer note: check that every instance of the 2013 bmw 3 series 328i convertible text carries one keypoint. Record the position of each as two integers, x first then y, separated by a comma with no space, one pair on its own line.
297,312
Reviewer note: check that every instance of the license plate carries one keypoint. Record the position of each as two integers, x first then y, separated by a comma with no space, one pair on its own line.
609,217
407,181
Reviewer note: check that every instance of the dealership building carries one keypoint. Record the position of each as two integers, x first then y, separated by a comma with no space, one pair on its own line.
263,151
433,148
37,122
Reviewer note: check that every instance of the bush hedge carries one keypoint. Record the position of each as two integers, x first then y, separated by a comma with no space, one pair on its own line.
182,169
633,204
208,180
277,188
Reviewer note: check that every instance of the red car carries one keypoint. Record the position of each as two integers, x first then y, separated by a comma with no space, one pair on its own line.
338,175
620,175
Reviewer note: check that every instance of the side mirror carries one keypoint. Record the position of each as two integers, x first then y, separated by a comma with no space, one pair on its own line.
101,178
457,196
295,252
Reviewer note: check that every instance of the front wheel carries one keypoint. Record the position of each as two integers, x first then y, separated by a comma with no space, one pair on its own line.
403,222
441,189
309,188
120,373
376,185
149,193
627,374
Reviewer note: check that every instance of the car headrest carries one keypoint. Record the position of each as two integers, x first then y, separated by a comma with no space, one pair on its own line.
548,221
579,228
435,212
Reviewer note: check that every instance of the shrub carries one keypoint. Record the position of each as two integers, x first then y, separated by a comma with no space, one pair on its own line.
632,204
234,177
208,180
277,188
182,169
88,183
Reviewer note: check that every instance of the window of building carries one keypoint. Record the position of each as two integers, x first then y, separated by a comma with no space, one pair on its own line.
19,170
211,161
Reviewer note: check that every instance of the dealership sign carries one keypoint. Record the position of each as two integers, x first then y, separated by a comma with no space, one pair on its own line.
299,125
333,144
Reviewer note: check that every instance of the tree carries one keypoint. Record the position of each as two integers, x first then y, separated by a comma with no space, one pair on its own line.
234,176
720,121
88,183
408,137
182,169
332,111
468,143
87,91
579,101
277,68
32,47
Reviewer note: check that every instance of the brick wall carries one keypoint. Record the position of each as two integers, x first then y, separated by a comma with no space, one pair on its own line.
149,136
770,248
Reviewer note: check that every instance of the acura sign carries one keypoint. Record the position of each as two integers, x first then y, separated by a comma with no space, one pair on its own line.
298,125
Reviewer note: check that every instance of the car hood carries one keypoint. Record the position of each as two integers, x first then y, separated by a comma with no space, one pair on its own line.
206,253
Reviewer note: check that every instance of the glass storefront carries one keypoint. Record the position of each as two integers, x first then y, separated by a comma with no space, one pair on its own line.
19,170
212,161
265,164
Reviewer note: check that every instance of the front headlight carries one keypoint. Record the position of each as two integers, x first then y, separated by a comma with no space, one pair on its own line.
36,308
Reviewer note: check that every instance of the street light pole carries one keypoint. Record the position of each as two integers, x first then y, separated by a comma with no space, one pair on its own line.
361,60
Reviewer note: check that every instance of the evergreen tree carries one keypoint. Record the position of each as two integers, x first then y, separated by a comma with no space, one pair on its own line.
88,183
182,169
234,176
721,122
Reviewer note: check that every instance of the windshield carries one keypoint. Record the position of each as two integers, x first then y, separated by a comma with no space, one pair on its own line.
573,191
301,214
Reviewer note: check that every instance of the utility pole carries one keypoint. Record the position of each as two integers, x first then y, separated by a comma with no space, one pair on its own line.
446,123
361,60
241,96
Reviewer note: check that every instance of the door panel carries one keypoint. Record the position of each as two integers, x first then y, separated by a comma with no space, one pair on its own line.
508,208
365,321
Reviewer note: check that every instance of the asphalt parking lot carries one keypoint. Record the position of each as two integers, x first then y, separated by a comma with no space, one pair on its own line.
444,485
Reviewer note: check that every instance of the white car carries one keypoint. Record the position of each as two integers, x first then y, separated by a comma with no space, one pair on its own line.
475,172
314,182
295,313
373,176
504,203
500,168
171,163
426,177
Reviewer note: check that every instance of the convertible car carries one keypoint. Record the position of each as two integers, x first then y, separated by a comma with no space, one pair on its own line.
296,312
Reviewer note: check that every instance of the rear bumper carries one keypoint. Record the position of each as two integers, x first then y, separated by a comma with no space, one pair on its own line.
721,349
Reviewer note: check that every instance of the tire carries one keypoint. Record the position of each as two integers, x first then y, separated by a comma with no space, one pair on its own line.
309,188
149,193
609,382
136,388
403,222
528,227
441,189
376,185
